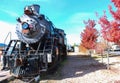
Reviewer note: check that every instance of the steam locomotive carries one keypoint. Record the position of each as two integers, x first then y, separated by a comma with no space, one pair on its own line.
40,46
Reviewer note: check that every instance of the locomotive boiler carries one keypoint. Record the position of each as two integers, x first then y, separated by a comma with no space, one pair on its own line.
41,46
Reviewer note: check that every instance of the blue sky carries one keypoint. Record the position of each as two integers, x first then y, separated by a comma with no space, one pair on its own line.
65,14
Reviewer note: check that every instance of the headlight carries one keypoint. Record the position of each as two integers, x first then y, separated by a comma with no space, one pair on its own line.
25,25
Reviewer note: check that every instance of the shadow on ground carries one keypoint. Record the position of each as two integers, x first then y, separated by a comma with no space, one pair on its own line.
75,66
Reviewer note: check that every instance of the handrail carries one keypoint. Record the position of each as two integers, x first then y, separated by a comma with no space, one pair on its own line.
9,34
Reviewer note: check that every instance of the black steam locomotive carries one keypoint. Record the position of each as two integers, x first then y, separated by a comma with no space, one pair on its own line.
40,46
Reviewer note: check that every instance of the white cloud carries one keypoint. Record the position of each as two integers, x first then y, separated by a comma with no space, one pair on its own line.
8,27
11,13
75,22
73,39
79,17
5,28
74,25
35,0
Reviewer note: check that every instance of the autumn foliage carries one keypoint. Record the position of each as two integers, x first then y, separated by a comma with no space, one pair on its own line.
89,35
83,49
116,3
100,47
111,29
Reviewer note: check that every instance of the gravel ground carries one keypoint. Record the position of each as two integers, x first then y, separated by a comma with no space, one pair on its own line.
77,69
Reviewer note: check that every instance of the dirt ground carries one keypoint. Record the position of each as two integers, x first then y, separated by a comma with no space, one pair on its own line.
79,69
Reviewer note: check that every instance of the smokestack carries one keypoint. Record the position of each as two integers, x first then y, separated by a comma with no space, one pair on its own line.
35,9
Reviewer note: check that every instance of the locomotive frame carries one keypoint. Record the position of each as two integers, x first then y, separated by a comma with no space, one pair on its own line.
27,60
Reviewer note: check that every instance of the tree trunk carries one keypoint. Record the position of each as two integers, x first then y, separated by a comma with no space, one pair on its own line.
108,67
90,53
102,56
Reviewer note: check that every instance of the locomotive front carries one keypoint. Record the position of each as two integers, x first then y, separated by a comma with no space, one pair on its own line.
41,46
28,56
30,27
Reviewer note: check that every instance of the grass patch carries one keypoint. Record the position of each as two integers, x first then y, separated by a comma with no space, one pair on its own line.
104,56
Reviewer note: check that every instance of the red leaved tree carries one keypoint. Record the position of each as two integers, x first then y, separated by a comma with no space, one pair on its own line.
89,35
111,29
100,47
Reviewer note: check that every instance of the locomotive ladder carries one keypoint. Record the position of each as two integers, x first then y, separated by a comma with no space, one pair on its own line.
10,47
48,46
